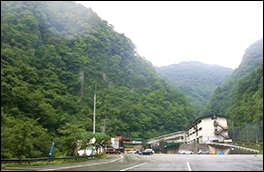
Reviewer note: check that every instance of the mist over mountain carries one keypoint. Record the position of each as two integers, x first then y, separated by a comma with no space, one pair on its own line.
196,80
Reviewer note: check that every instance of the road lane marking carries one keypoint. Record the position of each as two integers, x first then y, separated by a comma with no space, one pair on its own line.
61,168
134,166
189,167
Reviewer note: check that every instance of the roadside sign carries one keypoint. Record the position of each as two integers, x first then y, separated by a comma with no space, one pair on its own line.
51,150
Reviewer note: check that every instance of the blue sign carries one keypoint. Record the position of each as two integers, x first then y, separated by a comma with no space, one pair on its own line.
121,148
51,150
91,152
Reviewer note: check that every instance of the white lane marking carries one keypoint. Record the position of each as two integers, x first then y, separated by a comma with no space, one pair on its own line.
189,167
134,166
81,165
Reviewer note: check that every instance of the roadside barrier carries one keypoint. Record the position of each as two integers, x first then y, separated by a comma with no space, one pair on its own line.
28,160
233,146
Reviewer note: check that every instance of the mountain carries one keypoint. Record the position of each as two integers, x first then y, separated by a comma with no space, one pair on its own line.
245,82
56,56
246,103
196,80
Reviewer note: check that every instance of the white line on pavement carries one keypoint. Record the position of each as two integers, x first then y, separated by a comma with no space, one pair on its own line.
134,166
189,167
61,168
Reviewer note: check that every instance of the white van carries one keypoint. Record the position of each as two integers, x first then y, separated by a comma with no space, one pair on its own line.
150,150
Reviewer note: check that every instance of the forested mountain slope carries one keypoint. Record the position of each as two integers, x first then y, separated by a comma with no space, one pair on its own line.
246,103
53,53
196,80
242,86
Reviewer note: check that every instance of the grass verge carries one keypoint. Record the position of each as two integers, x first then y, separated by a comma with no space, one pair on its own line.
49,163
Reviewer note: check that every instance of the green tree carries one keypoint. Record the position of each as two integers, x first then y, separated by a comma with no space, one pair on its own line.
86,140
70,135
22,138
101,140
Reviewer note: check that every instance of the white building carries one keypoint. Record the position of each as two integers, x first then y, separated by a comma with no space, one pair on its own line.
207,128
89,150
202,130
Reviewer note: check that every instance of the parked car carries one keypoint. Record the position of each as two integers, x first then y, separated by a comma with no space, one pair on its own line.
221,153
139,152
151,150
185,152
112,151
131,151
203,152
147,152
180,151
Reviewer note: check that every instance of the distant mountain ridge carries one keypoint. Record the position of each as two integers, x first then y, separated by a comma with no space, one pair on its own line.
195,79
221,98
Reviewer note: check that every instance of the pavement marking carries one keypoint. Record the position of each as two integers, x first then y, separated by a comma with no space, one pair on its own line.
134,166
189,167
61,168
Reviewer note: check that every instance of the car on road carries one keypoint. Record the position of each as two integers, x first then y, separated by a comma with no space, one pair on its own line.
112,151
203,152
139,152
221,153
185,152
151,150
147,152
131,151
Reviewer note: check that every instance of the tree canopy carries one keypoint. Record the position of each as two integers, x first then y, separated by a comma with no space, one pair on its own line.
52,55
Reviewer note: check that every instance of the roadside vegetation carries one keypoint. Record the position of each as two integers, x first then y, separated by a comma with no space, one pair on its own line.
50,162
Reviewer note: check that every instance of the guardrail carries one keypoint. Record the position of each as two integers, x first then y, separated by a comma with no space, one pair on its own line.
28,160
233,146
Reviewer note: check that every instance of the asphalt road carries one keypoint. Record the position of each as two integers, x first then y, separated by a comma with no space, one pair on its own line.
159,162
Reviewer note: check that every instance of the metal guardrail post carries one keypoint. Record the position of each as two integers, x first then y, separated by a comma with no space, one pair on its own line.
239,147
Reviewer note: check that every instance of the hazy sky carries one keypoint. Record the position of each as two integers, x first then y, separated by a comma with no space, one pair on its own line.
170,32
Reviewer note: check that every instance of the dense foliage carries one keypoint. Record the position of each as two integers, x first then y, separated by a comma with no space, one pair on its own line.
196,80
227,96
246,103
52,56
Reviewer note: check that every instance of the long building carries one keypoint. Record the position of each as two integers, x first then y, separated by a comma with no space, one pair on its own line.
202,130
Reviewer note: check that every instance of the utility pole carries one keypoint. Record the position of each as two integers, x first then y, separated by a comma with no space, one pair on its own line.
94,110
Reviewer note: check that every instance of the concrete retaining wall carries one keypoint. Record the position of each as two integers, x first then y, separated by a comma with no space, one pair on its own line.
194,147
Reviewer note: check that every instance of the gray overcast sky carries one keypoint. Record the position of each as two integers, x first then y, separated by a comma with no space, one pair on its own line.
170,32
